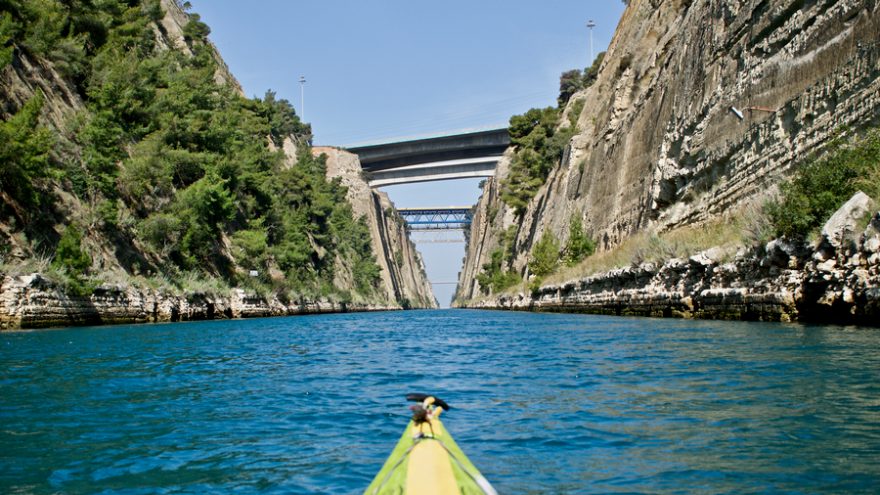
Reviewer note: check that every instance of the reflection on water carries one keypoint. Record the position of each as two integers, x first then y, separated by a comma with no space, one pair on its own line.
542,404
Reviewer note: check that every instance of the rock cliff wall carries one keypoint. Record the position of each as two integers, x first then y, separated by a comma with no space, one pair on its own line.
660,142
404,280
35,299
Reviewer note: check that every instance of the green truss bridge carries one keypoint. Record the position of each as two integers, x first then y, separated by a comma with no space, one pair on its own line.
440,218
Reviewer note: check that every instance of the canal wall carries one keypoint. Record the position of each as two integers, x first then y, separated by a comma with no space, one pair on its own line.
38,301
835,280
403,274
35,301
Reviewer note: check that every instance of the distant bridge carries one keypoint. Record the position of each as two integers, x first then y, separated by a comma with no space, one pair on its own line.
444,218
473,154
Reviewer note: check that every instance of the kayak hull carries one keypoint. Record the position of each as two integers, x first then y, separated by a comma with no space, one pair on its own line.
427,461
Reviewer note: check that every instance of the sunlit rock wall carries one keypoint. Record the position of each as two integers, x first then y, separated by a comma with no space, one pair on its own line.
658,144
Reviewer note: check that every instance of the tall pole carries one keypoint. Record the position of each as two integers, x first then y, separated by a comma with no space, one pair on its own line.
590,26
302,98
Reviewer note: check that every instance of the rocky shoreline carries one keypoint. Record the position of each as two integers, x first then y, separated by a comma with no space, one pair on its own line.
833,281
33,301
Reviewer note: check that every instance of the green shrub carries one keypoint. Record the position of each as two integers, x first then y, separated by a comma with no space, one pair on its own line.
146,179
545,255
493,277
579,245
591,73
69,254
569,83
108,213
161,230
539,148
251,245
8,30
282,118
195,29
573,81
24,152
822,185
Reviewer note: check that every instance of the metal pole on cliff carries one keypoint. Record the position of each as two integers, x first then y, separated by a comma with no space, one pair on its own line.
590,26
302,98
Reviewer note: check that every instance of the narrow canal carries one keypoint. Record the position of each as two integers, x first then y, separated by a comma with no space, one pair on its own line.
541,404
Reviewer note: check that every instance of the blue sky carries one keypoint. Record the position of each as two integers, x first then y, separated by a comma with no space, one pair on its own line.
380,70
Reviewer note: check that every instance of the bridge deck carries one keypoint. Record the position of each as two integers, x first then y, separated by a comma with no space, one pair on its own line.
473,154
428,150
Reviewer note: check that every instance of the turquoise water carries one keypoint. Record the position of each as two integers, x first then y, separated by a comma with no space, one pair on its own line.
541,404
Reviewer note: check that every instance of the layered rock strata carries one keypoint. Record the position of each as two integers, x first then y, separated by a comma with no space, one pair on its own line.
33,301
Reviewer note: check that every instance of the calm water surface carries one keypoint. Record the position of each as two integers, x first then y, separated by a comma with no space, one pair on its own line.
542,404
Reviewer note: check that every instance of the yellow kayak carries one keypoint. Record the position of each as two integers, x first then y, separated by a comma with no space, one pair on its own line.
426,460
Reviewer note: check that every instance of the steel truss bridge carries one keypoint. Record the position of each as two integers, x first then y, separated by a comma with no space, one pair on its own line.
442,218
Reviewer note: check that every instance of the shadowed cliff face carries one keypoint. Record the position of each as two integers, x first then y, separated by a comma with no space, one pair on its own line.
658,145
403,273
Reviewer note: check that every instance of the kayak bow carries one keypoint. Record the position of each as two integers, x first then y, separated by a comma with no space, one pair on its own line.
426,460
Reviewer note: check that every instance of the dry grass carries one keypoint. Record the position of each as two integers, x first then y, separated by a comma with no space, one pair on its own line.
202,283
28,266
746,227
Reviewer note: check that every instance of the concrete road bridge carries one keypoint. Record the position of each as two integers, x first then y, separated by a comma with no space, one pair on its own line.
459,156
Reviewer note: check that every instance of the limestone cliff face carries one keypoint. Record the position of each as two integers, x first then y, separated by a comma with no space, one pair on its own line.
403,273
490,219
659,141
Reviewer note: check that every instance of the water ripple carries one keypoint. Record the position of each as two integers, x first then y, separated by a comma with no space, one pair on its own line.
542,404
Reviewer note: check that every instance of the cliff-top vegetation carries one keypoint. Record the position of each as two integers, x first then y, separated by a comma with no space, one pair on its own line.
539,138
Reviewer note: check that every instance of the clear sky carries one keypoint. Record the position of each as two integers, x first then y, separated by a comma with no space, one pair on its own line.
380,70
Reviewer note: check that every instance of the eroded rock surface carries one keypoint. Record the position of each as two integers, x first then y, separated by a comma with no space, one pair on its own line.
33,301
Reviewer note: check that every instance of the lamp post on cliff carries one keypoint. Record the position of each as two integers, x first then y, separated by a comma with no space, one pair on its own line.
302,98
590,26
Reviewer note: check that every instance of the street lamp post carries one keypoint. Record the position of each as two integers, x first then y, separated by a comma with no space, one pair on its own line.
302,98
590,26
